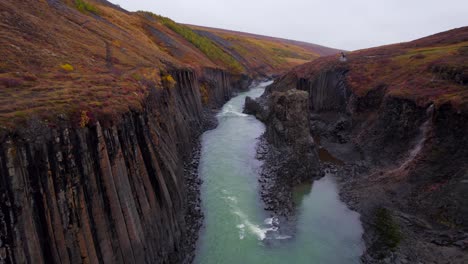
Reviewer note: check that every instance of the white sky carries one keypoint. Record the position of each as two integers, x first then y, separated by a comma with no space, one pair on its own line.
349,25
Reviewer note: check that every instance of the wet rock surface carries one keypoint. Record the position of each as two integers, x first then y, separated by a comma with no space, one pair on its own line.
275,191
256,107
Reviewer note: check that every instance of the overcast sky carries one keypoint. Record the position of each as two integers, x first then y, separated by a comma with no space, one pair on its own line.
344,24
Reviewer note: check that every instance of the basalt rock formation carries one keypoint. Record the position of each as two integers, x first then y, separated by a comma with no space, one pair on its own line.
287,148
106,194
288,129
404,150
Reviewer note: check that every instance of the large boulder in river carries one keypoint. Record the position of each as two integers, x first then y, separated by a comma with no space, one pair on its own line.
255,107
288,129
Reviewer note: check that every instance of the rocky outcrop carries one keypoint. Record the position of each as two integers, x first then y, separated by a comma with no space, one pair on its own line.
287,148
108,194
256,107
288,129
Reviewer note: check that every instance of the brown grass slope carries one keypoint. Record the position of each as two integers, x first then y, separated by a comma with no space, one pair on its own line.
63,57
432,69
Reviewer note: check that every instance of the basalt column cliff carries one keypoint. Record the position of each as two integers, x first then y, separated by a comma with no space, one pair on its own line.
104,194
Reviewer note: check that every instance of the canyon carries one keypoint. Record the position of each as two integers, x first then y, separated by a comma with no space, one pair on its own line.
104,149
99,146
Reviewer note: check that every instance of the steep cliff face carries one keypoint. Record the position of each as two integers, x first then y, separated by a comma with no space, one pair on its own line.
110,194
439,173
218,86
400,154
327,91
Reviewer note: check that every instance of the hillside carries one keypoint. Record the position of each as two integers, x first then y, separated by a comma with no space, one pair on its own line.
64,57
431,69
266,51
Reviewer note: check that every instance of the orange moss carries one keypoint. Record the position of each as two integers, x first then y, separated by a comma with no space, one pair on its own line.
204,93
168,81
84,119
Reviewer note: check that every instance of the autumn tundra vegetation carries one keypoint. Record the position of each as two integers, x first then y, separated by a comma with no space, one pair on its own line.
64,57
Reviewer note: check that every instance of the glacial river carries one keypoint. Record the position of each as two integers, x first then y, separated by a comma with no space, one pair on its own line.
238,230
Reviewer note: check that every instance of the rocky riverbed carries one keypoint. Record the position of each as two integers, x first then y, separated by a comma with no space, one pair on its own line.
194,213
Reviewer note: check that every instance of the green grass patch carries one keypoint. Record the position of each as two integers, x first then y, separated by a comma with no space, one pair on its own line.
85,7
287,53
387,228
205,45
425,55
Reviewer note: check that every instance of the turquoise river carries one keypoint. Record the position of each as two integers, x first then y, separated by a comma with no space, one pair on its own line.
237,229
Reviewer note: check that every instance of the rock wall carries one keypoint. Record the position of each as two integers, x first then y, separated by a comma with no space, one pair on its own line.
399,155
220,85
439,172
111,194
327,91
392,131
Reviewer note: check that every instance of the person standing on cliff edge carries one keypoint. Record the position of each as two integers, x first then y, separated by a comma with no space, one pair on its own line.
343,57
